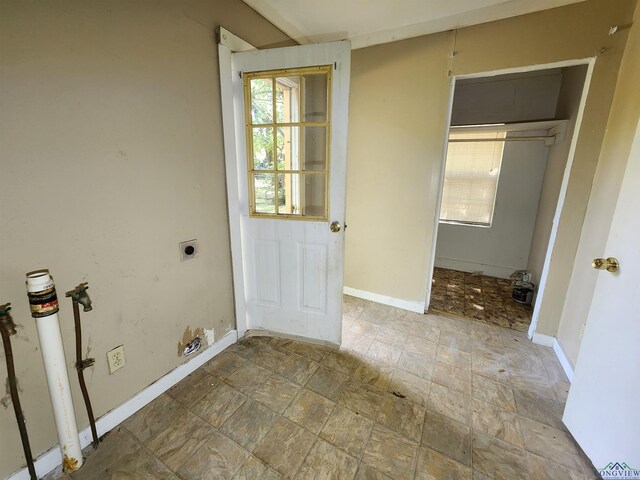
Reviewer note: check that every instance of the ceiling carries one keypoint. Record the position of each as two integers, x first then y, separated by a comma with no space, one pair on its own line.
371,22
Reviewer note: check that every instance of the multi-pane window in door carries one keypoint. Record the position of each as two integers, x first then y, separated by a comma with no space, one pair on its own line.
288,121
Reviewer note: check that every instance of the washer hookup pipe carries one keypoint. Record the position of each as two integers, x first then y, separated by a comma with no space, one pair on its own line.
79,296
44,308
7,329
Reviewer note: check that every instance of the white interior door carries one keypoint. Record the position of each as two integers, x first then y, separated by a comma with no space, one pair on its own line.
286,170
602,409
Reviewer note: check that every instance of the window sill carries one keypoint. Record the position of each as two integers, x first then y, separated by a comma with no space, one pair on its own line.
465,224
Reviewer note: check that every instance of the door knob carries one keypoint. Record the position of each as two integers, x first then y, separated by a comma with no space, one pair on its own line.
335,227
609,264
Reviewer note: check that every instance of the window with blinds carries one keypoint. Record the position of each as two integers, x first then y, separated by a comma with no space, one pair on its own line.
471,177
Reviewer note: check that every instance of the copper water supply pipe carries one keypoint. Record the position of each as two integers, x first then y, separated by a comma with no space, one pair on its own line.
7,329
79,295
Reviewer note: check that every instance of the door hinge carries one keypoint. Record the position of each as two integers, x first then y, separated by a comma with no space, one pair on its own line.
335,65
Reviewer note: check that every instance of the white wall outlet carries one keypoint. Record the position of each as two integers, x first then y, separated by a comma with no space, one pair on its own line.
188,250
116,359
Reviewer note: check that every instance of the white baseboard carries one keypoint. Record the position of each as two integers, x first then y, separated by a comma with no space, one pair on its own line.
391,301
464,266
542,339
549,341
564,361
51,459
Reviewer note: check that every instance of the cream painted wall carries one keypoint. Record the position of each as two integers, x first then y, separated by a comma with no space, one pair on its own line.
567,109
503,247
111,136
398,116
507,98
625,114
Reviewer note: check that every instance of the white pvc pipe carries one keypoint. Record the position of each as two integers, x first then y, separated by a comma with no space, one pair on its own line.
44,308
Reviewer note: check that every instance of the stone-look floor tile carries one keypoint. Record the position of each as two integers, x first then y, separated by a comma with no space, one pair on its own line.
447,436
416,364
497,459
391,336
390,453
455,339
481,476
249,424
309,410
347,430
451,403
411,387
362,399
422,347
452,377
432,465
365,472
309,350
455,324
364,328
352,309
297,368
153,418
494,368
327,382
375,374
245,347
539,408
453,356
325,461
543,469
373,315
276,393
138,465
174,445
495,393
115,445
355,343
269,357
285,447
254,469
403,416
345,362
217,458
485,335
224,364
218,405
552,444
499,423
425,328
248,377
383,353
561,390
190,390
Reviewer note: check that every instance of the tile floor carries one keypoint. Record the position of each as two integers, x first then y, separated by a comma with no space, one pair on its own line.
407,396
479,297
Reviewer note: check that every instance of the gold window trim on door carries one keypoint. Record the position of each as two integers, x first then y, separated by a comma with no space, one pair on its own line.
288,172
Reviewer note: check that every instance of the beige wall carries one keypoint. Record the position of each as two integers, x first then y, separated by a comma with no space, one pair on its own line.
397,123
625,114
111,154
568,105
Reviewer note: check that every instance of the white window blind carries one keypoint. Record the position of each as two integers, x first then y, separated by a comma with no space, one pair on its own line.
471,177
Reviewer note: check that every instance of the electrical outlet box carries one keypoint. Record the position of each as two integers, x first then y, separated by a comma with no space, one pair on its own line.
188,250
116,359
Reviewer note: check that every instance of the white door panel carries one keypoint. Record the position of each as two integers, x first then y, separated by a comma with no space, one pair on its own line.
292,270
602,409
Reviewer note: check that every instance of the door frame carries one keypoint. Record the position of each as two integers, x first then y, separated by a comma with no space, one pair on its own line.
590,63
227,44
234,147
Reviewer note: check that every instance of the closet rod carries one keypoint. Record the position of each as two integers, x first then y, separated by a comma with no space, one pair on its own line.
506,139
